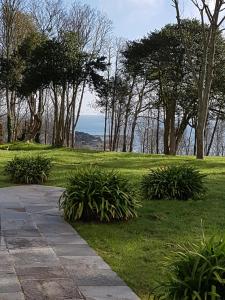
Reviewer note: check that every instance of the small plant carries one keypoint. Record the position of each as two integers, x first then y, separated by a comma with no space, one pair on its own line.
197,272
96,194
174,182
29,170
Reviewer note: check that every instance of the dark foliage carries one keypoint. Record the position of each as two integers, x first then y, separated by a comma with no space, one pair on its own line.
197,272
100,195
175,182
29,170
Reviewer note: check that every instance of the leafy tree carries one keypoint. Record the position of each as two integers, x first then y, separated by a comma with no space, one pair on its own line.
212,20
60,65
162,57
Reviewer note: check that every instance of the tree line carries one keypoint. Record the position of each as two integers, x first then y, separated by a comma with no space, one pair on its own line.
165,90
49,56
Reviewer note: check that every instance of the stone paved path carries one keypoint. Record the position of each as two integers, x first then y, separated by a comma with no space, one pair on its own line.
43,258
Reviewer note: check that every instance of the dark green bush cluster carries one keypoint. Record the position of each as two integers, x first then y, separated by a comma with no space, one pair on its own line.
96,194
29,170
197,272
174,182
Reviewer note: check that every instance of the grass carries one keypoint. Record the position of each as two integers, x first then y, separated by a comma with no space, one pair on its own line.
136,249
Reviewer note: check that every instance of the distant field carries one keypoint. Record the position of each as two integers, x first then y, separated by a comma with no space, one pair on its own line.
136,249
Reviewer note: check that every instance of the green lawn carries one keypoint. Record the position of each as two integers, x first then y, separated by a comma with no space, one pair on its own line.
136,249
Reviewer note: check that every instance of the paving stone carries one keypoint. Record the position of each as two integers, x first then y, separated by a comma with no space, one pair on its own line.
58,289
4,255
25,242
8,214
29,200
2,243
108,293
21,224
40,273
76,263
73,250
7,268
12,296
8,203
55,192
63,228
22,233
43,209
46,219
37,208
9,284
6,263
65,239
52,212
15,206
91,277
35,257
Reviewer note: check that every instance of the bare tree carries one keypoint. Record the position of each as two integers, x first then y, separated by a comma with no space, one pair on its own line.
92,30
48,15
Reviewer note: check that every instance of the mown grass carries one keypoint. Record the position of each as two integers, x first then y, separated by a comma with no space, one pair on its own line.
137,249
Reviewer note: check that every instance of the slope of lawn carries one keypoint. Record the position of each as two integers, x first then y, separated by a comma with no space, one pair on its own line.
137,249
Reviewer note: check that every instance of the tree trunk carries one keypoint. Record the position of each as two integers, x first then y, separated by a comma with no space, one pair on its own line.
9,117
213,135
74,99
157,130
136,114
105,124
180,131
132,134
166,132
172,132
126,117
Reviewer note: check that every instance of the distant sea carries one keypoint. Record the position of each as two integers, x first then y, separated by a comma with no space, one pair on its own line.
92,124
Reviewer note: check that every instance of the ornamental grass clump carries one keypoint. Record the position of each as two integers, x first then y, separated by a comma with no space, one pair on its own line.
173,182
96,194
197,272
29,169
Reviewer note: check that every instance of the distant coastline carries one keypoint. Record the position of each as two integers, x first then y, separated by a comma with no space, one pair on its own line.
92,124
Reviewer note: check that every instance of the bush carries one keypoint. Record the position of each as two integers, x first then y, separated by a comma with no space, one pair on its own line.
95,194
174,182
197,272
29,170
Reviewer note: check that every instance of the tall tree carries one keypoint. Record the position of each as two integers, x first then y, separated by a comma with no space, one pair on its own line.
212,18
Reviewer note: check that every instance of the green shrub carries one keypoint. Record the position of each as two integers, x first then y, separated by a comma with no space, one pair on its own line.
197,272
96,194
174,182
29,170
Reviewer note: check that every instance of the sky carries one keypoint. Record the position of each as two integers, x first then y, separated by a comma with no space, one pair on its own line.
133,19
